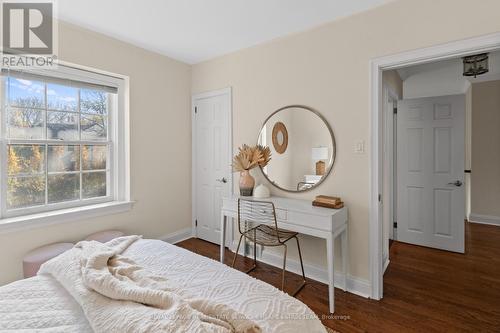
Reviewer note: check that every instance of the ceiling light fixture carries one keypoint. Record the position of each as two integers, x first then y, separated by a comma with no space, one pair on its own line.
475,65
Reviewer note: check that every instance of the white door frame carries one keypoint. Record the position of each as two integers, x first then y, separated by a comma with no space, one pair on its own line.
435,53
388,198
227,92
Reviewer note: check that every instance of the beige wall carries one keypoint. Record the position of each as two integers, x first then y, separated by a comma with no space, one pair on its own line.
392,79
160,146
485,177
327,68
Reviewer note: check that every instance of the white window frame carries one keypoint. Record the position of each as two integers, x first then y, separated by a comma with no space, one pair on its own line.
118,198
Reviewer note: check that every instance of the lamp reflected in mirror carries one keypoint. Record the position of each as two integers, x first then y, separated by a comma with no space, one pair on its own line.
320,154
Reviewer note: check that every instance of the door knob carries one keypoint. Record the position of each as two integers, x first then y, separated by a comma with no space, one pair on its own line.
457,183
223,180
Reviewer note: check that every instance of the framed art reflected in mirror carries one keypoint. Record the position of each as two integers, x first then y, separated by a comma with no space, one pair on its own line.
280,137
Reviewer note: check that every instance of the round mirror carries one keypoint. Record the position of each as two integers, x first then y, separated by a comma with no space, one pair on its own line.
302,147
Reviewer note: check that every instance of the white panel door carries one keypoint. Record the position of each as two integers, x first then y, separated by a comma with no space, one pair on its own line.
430,172
212,165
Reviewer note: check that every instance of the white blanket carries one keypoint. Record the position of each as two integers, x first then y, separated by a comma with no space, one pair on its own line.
117,295
41,304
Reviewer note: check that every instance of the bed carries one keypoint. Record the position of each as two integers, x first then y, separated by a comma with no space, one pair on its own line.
42,304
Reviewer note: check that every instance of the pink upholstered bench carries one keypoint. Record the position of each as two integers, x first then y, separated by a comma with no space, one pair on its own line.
105,236
34,259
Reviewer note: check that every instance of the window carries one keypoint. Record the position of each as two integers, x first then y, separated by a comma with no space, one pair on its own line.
60,146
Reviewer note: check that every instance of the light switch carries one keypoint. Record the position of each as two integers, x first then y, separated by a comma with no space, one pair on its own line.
359,147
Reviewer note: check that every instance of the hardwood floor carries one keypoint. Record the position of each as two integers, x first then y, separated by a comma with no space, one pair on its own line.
425,290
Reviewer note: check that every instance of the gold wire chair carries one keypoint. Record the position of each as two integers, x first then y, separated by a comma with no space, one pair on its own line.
257,223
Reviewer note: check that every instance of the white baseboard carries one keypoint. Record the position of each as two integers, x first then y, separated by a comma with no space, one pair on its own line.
484,219
177,236
386,263
355,285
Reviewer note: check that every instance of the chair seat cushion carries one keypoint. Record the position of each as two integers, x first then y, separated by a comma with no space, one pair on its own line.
34,259
105,236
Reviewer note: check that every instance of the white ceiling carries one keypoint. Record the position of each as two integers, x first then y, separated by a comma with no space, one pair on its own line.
196,30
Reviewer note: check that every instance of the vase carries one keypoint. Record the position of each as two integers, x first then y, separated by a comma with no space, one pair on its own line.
247,182
261,191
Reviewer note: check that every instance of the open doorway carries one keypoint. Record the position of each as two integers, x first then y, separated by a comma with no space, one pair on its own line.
441,153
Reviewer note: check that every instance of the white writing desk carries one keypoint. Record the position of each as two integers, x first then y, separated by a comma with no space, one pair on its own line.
300,216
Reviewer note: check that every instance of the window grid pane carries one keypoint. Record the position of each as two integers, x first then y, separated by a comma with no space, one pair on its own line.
62,172
93,127
63,187
94,157
63,158
26,93
26,159
93,102
62,98
25,123
25,191
94,184
62,125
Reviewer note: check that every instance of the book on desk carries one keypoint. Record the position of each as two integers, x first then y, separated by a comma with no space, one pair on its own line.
328,202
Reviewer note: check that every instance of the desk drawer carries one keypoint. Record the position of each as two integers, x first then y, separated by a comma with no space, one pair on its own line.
281,214
312,221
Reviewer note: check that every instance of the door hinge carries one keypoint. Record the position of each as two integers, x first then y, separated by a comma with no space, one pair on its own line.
395,225
195,110
195,223
380,198
395,110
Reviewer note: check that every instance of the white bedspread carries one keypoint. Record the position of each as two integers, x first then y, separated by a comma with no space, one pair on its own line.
119,296
41,304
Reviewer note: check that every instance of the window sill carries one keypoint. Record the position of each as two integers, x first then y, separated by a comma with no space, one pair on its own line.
63,216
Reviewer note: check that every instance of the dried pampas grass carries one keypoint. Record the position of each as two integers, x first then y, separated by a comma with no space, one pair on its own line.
250,157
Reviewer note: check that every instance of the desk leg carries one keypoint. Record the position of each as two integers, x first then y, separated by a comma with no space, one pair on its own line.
345,256
331,270
222,237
